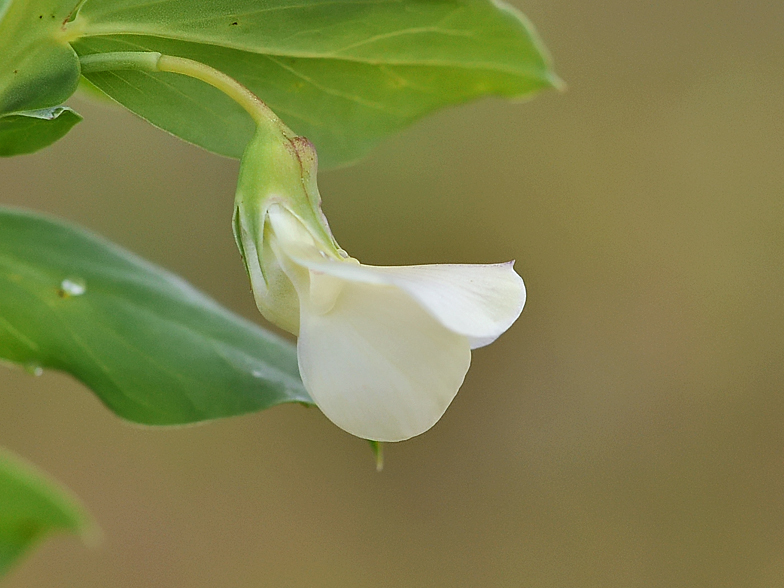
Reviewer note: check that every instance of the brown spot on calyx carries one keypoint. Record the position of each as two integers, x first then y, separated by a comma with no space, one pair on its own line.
304,150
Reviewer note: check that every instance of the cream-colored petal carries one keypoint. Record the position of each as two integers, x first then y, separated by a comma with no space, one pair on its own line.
376,363
478,301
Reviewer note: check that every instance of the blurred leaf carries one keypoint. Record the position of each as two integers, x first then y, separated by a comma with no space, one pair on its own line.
88,91
31,507
345,74
154,349
26,132
38,68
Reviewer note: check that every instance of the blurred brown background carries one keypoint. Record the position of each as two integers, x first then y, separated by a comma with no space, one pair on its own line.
629,429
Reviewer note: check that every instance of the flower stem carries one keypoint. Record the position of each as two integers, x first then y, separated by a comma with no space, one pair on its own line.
378,452
140,60
156,62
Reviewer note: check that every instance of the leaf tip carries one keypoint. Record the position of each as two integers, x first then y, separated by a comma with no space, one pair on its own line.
557,81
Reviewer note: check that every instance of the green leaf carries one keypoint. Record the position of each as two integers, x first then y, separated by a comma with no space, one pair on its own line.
38,68
32,507
343,73
29,131
153,348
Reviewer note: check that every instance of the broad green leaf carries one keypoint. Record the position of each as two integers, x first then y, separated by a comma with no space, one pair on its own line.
29,131
343,73
154,349
38,68
32,507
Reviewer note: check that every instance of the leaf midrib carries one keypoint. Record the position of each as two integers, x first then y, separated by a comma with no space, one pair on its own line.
540,73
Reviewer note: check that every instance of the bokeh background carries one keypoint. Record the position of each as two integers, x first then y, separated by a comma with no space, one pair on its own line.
628,431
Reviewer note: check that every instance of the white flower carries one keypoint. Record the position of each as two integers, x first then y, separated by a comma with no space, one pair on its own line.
382,350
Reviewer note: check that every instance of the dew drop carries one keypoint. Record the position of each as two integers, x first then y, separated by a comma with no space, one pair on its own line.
33,369
257,374
72,287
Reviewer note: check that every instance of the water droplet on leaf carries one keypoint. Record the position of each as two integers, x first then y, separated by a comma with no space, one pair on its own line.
33,369
72,287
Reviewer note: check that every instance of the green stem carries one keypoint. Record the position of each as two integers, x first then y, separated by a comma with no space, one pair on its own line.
144,61
156,62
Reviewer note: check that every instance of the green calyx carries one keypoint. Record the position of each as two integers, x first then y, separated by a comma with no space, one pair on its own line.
278,168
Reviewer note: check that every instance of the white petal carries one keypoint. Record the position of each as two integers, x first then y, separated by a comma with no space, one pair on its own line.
478,301
274,292
377,364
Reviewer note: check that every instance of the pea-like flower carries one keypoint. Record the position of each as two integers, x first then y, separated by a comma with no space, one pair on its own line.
382,350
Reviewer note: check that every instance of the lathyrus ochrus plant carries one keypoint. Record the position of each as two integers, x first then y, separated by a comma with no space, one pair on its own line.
381,350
